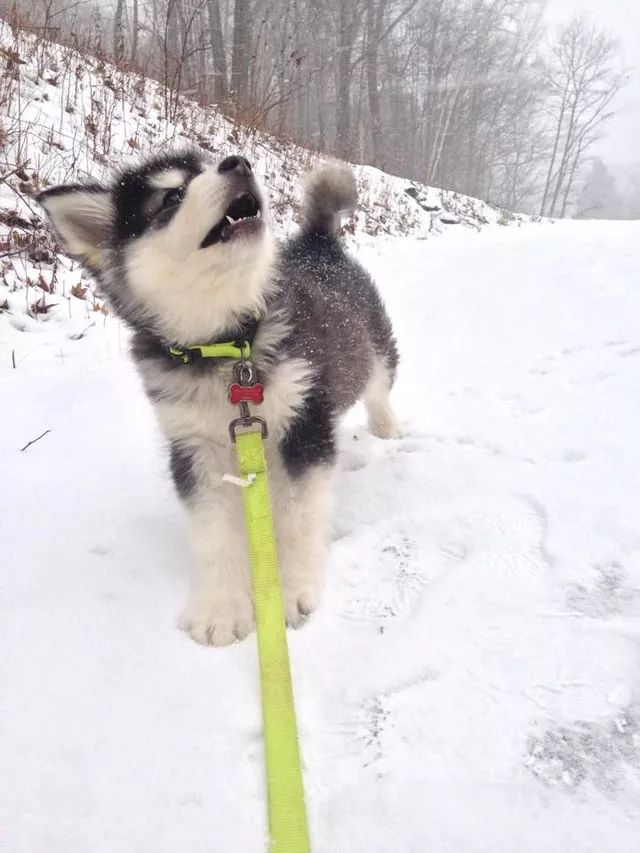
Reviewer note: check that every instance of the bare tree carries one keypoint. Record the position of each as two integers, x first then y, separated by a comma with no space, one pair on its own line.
582,82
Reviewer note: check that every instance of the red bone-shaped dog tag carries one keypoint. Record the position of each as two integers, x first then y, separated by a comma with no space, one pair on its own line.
246,393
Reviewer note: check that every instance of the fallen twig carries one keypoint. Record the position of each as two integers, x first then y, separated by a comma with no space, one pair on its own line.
29,443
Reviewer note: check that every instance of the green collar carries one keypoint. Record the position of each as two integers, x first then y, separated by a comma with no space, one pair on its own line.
238,348
227,349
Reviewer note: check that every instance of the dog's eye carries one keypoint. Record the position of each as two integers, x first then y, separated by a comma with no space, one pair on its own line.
172,197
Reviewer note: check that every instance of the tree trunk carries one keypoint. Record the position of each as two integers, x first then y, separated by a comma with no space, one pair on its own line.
554,153
220,85
343,87
568,147
321,111
241,51
118,33
170,41
135,23
572,174
374,25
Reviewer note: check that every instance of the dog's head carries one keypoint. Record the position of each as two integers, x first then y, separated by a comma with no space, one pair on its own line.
180,245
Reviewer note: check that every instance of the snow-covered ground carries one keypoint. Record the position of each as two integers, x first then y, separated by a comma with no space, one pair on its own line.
472,680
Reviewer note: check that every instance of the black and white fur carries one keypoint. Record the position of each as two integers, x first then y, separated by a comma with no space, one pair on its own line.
179,271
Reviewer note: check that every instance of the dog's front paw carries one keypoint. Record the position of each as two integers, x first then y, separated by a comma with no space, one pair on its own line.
385,426
219,621
299,603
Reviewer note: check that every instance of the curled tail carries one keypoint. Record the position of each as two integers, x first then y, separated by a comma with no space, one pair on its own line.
329,190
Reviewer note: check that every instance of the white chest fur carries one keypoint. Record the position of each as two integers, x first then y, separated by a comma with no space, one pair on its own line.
193,408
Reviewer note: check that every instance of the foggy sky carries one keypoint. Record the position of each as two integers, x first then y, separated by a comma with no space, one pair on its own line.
621,19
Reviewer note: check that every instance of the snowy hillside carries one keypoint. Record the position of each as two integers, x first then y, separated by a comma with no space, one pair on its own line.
64,116
470,684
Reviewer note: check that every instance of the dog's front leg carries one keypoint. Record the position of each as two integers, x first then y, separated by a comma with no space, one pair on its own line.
220,607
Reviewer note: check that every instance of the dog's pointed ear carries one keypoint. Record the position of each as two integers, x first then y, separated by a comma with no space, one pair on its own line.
83,218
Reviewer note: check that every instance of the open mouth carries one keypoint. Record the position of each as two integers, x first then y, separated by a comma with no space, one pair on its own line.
243,214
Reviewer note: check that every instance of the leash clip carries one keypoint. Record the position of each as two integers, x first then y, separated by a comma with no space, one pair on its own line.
242,391
247,422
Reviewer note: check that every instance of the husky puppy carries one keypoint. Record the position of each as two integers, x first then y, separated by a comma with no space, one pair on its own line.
184,251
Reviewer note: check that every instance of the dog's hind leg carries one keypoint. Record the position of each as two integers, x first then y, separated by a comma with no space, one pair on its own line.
382,421
303,506
301,489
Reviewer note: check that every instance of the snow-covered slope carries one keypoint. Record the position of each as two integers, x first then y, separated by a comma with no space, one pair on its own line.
65,116
470,683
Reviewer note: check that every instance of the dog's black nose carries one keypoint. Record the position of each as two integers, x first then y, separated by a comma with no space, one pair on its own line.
235,164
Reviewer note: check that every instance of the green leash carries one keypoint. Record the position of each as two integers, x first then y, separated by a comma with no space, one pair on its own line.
285,792
288,832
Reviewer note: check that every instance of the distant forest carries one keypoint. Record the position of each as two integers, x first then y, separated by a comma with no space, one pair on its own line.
470,95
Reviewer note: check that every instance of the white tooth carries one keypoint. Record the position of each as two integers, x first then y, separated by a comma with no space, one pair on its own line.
230,220
258,213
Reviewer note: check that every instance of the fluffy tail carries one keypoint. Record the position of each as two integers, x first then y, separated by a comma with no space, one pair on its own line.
329,190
